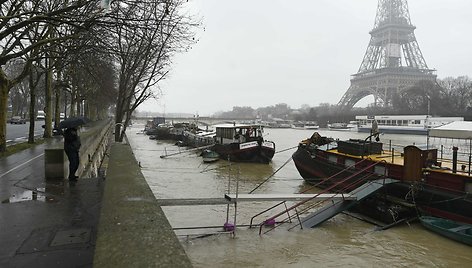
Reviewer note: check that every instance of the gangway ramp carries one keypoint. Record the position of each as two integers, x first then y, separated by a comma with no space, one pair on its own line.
338,206
233,198
287,197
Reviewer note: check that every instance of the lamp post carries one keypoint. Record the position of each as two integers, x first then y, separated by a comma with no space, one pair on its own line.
427,122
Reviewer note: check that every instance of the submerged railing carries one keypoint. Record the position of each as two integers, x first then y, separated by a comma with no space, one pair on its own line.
334,186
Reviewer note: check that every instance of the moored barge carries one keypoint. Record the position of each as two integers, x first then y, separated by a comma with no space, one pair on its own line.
427,184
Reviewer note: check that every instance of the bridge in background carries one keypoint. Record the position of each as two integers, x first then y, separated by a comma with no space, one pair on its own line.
203,120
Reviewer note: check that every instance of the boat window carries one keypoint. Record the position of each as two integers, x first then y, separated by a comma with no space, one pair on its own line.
405,122
389,122
417,122
380,170
332,158
349,163
227,133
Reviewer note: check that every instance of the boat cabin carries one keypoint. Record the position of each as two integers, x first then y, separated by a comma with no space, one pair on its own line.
238,133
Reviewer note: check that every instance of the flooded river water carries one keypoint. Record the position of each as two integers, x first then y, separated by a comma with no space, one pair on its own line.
341,241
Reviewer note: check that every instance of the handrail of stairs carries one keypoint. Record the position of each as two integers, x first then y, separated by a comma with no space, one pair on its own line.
304,191
342,190
357,182
364,178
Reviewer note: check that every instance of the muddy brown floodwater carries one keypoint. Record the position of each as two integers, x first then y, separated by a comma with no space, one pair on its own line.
342,241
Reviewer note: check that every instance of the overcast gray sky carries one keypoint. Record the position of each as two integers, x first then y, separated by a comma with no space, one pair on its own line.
263,52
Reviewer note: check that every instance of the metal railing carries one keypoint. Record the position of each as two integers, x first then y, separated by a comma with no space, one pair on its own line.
334,186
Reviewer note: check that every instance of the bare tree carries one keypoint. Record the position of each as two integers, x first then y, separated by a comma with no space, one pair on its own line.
18,18
457,93
143,47
19,93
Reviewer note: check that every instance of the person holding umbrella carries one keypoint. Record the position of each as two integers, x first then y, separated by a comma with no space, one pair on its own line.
71,147
72,142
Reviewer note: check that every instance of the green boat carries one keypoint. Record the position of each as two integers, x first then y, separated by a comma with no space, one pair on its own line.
460,232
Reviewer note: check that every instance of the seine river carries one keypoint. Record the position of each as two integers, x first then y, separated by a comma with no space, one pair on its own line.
342,241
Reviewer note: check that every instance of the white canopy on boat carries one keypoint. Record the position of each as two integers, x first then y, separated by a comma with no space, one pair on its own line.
454,130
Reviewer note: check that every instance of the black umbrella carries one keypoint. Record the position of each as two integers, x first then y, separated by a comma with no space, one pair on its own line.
73,122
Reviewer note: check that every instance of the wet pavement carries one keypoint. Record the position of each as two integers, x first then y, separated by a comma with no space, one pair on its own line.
46,223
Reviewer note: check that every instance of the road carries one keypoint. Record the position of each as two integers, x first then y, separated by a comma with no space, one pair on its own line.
18,133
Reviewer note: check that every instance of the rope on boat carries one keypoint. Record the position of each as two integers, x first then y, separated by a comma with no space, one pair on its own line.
260,184
281,151
187,151
210,169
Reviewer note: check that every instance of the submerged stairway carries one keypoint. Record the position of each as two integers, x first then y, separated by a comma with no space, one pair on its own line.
338,206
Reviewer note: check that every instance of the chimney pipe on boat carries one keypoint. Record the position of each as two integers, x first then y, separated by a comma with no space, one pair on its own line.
454,159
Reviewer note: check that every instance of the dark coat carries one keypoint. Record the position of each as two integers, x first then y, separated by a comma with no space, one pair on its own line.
71,140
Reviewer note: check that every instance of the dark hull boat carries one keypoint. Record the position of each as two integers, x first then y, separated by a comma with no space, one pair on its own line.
256,152
159,133
423,183
243,143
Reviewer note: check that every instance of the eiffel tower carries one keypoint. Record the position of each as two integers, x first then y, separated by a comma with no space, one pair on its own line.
393,61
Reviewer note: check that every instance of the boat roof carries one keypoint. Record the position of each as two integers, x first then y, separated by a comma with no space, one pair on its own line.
407,117
237,126
453,130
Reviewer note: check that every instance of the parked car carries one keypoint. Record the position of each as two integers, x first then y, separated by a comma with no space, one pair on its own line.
17,120
41,115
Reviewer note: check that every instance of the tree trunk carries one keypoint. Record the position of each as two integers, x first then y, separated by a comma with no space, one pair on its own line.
48,108
73,101
79,107
118,125
118,137
4,88
118,122
125,125
65,105
57,108
31,108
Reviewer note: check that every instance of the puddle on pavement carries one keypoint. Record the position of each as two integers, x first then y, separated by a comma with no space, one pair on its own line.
38,195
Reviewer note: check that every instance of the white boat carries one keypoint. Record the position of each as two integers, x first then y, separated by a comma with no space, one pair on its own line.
403,124
341,126
311,125
305,125
298,125
308,126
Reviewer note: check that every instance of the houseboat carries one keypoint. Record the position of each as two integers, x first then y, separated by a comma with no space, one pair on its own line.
425,182
305,125
243,143
341,126
311,125
403,124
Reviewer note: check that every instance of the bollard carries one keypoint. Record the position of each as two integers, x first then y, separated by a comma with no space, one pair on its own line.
55,164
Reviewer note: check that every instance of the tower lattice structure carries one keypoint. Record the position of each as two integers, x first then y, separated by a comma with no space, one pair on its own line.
393,61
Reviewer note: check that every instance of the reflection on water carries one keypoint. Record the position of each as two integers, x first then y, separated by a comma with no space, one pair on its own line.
42,194
25,196
39,194
341,241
